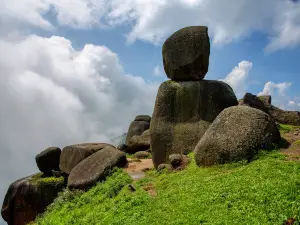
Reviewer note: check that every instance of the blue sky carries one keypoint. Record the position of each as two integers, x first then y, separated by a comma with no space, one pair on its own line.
81,70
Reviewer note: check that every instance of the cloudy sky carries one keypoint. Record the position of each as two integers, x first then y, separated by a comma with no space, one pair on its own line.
80,70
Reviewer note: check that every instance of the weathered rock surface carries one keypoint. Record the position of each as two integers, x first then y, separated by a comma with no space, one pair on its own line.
145,118
48,160
236,134
73,154
281,116
164,166
183,111
96,167
139,143
175,159
142,155
28,197
136,128
186,54
253,101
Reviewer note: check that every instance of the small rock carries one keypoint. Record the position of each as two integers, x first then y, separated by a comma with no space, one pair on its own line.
48,160
175,159
131,188
142,155
164,166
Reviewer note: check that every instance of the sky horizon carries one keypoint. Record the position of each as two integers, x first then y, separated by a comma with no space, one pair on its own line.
80,71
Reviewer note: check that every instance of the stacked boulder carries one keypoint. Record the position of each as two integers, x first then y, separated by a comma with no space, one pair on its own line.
76,166
186,105
264,103
138,135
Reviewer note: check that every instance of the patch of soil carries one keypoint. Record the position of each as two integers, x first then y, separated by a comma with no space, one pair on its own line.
293,151
136,169
150,189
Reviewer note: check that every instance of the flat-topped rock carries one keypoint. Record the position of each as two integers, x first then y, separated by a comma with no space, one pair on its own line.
73,154
186,54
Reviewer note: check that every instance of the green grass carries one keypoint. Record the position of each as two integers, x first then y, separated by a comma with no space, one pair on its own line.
285,128
265,191
39,179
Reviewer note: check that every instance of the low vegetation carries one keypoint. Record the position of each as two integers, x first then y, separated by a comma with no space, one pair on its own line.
265,191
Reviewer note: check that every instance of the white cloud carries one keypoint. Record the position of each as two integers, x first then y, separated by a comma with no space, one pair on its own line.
53,95
237,78
271,88
157,71
154,20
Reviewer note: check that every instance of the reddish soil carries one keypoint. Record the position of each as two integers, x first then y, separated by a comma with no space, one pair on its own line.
136,168
293,151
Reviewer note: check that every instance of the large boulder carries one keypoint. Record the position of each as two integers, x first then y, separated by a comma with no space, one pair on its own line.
95,168
236,134
28,197
186,54
48,160
139,143
266,99
136,128
253,101
183,112
73,154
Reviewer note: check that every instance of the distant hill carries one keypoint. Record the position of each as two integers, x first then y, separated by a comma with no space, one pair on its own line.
118,140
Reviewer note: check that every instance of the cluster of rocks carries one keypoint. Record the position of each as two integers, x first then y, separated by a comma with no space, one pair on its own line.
193,114
77,166
138,135
264,103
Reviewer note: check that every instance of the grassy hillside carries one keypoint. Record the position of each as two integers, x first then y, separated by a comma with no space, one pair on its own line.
266,191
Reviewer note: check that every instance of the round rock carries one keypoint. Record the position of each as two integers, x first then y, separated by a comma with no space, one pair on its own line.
143,118
48,160
186,54
142,155
236,134
175,159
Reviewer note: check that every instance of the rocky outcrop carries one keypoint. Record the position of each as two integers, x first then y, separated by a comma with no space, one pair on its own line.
96,167
183,112
74,154
224,143
253,101
186,54
264,103
137,127
48,160
28,197
139,143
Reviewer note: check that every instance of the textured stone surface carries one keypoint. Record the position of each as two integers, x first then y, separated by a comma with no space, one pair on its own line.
139,143
48,160
143,118
73,154
236,134
183,111
96,167
136,128
175,159
253,101
142,155
28,197
186,54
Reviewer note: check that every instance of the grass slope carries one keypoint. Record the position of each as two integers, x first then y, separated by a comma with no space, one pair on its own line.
265,191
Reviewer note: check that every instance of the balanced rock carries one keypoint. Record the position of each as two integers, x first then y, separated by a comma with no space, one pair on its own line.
137,127
253,101
28,197
73,154
96,167
236,134
186,54
48,160
139,143
182,113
